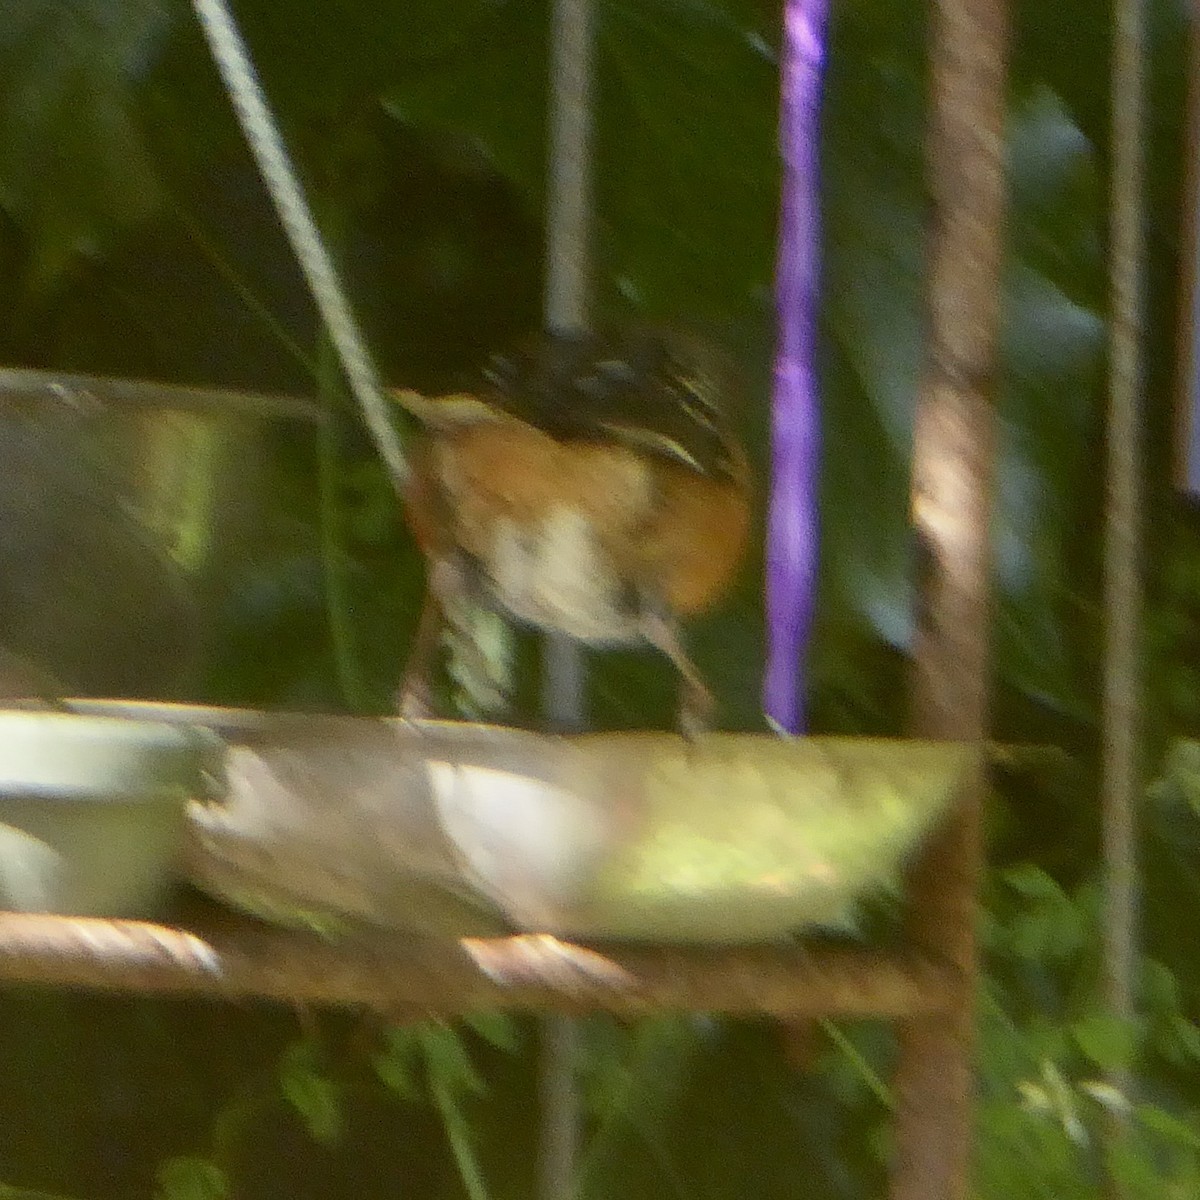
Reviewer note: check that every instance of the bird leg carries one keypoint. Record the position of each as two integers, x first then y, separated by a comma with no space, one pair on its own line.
456,614
480,658
696,702
444,585
414,699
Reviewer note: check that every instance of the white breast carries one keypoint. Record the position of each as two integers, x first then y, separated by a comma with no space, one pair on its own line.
558,575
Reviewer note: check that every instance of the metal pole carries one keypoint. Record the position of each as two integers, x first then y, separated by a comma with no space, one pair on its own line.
564,702
568,222
1122,533
569,183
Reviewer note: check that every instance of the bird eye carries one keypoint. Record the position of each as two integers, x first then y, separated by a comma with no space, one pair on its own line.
591,386
617,369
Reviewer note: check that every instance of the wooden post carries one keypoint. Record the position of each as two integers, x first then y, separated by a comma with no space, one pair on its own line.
953,468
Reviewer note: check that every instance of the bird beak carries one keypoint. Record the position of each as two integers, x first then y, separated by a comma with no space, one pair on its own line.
446,412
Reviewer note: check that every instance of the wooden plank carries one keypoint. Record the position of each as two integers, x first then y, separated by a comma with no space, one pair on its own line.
226,957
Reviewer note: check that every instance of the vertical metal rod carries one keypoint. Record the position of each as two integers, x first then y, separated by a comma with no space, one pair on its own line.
564,684
568,258
561,1124
952,496
1122,530
569,170
564,703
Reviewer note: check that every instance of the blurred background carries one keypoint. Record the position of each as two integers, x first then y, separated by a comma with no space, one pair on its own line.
254,554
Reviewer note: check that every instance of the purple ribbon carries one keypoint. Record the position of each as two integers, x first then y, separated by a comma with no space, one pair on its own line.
792,534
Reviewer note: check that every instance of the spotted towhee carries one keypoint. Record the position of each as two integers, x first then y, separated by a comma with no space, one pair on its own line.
591,486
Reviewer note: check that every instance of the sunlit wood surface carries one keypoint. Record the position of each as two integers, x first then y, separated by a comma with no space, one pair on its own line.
224,956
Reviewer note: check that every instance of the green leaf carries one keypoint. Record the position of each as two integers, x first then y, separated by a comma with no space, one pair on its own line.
497,1028
484,80
191,1178
684,146
1159,988
1047,925
315,1097
1108,1041
686,150
72,165
1053,337
628,1073
1033,883
1179,781
1185,1037
1135,1172
459,1135
1168,1126
448,1062
398,1065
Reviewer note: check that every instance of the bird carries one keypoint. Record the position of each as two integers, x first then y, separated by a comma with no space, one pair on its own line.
591,486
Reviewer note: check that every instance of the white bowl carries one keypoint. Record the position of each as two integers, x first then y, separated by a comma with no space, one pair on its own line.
92,810
630,836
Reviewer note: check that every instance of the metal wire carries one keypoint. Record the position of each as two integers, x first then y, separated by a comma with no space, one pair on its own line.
245,93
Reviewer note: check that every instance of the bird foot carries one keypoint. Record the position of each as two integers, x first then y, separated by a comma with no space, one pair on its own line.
696,709
414,701
696,703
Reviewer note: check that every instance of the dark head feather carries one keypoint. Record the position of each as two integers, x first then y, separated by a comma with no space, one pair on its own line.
657,393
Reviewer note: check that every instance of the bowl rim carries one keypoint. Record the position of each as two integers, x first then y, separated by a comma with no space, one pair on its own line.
185,750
